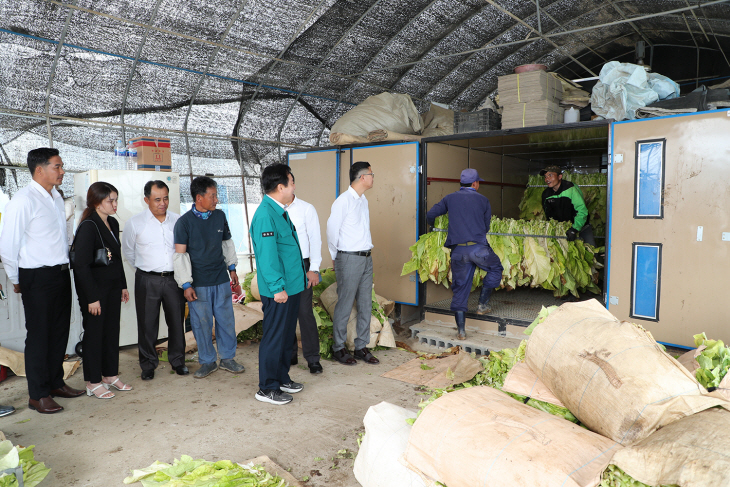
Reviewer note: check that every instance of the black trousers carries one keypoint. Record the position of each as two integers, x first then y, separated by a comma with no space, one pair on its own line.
101,333
46,293
280,329
307,325
149,292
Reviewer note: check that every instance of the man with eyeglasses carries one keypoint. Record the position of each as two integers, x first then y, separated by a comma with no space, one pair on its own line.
350,245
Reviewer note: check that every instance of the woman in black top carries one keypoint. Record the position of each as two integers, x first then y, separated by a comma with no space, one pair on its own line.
101,290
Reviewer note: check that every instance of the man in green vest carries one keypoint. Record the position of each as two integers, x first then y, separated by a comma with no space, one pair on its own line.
281,279
563,201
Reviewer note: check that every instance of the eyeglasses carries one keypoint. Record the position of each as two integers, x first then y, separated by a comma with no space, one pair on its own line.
369,174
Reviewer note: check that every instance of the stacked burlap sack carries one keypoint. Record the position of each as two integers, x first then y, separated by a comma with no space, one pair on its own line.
381,334
644,412
390,116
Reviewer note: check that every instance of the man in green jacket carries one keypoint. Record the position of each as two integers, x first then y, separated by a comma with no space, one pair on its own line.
281,279
563,201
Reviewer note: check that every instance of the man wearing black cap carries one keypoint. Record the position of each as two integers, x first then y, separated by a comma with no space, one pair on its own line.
563,201
469,217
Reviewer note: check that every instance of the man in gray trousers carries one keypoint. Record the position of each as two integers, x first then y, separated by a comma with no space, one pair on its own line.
350,245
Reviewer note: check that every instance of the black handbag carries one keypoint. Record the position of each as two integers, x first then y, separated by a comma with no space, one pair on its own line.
102,256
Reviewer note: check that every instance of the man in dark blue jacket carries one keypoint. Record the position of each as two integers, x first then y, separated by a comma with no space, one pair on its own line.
469,217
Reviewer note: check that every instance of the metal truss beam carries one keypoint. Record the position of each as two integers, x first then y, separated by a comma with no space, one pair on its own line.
557,34
134,66
354,79
52,75
314,73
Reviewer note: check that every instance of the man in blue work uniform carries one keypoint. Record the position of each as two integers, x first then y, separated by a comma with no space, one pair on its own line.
281,279
469,217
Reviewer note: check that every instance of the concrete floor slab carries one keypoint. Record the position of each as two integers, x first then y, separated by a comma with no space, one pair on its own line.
97,442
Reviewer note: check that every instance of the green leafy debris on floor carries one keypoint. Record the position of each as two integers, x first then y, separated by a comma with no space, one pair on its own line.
201,473
615,477
253,333
11,456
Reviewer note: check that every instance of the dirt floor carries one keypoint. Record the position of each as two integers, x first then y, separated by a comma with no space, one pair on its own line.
97,442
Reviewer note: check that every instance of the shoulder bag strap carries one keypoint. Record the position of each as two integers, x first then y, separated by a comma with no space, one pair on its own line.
73,244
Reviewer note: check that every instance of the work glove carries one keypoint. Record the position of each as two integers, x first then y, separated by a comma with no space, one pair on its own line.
571,234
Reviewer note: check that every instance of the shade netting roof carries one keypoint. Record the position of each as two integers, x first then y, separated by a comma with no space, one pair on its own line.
236,83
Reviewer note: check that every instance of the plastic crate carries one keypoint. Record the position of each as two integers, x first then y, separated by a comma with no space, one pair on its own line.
481,121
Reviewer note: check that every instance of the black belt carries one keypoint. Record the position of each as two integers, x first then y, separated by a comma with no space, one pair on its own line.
62,267
361,253
161,274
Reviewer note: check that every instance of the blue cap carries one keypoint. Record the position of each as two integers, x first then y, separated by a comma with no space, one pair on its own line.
468,176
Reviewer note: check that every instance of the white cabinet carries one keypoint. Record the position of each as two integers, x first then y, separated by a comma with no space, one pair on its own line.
12,319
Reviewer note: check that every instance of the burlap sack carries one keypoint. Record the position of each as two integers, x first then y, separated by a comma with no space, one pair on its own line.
439,373
15,361
481,437
255,287
388,111
523,381
381,135
612,375
691,452
329,300
337,138
438,121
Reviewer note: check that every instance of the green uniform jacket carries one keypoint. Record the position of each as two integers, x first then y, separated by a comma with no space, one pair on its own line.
279,264
565,205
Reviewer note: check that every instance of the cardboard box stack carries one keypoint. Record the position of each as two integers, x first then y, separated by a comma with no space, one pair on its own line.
153,153
530,99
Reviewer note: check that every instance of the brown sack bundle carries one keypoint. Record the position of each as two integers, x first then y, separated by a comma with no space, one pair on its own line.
480,436
612,375
390,111
691,452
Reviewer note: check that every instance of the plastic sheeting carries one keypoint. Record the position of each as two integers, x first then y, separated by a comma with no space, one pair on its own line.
623,88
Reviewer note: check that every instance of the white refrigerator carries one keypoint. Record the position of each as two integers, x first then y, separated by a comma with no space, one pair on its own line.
131,201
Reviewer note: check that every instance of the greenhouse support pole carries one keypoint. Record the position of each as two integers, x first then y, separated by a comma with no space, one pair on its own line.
245,211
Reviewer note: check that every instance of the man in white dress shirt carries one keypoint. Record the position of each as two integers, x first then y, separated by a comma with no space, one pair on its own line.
148,243
350,244
34,251
305,220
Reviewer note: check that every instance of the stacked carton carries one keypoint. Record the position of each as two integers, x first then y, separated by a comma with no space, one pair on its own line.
530,99
153,153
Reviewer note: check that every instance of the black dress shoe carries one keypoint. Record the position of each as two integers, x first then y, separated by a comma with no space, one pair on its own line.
181,370
294,360
45,405
315,368
67,392
365,355
344,357
148,374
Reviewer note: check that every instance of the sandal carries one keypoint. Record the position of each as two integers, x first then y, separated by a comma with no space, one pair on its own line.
117,384
100,395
